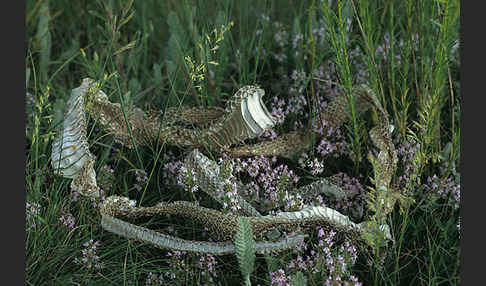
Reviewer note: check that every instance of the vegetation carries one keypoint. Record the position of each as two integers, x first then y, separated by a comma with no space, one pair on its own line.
160,54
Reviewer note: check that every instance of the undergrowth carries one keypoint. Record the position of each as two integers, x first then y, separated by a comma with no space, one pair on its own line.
159,54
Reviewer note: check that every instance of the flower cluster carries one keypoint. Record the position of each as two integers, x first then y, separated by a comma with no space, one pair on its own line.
331,139
279,278
177,261
407,153
271,185
74,196
277,106
96,203
171,168
185,268
326,81
90,259
316,166
227,190
268,134
142,179
352,186
207,267
68,220
187,179
323,260
337,263
31,208
29,99
108,169
297,102
155,279
448,188
355,195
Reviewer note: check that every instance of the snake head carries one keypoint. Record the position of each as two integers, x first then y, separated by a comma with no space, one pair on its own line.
245,117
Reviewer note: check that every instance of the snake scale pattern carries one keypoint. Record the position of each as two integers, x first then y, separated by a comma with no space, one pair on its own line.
215,130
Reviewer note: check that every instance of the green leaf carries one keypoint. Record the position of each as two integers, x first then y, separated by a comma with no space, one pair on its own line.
437,23
175,28
126,47
298,279
192,27
157,74
97,14
173,61
171,67
272,263
296,29
127,19
347,11
44,38
134,86
245,248
446,151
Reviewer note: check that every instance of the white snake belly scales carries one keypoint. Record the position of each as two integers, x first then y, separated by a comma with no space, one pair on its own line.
245,117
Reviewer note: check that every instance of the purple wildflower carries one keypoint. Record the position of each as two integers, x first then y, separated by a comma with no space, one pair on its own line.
68,220
279,278
90,259
32,208
141,178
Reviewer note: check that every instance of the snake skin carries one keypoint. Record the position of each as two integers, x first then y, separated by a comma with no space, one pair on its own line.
71,157
223,227
164,241
240,120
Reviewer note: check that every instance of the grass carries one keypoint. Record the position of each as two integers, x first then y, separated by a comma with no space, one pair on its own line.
159,54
